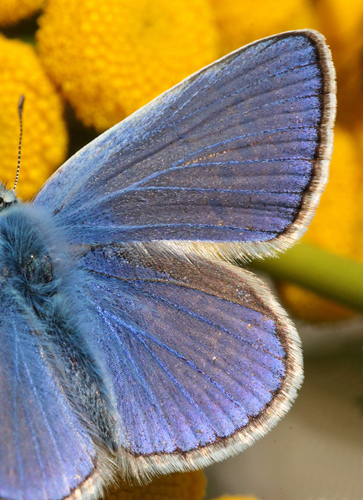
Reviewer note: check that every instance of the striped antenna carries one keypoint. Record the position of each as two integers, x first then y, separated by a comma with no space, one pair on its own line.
20,112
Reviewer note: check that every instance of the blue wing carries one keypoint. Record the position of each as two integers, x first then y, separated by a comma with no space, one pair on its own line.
44,451
236,153
203,360
231,161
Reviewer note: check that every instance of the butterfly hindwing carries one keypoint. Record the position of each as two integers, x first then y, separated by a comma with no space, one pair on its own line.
203,360
235,156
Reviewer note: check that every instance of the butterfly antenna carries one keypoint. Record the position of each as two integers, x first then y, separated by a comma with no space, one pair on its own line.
20,113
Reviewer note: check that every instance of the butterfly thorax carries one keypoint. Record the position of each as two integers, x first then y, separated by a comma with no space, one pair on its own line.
40,280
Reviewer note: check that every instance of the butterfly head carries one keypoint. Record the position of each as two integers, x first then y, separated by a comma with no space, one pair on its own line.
7,198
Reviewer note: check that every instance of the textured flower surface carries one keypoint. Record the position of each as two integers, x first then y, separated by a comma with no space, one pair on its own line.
242,22
45,135
341,22
111,57
12,11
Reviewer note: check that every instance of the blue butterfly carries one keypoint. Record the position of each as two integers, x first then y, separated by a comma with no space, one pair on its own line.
129,340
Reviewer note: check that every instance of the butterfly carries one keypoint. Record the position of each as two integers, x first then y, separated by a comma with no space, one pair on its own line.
130,341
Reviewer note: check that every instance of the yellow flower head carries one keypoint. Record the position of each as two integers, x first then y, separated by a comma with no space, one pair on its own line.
340,20
242,22
13,11
187,486
342,23
111,57
44,136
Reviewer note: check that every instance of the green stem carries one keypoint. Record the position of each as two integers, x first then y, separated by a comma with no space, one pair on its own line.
335,277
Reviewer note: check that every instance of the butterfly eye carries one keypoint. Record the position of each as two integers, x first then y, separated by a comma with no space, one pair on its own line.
38,269
7,201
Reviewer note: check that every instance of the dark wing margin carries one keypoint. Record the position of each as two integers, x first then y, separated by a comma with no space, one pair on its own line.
202,358
230,162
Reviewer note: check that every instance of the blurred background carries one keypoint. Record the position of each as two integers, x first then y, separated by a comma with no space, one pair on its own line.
84,65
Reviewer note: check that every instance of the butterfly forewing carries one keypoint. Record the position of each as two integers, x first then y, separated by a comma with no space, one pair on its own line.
237,154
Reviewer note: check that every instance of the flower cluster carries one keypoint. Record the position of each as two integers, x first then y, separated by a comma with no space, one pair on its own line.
240,22
13,11
45,135
110,58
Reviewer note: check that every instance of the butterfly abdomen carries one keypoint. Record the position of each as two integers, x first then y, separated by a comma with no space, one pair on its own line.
40,276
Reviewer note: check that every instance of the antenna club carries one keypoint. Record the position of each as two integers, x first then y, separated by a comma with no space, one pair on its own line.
20,112
21,105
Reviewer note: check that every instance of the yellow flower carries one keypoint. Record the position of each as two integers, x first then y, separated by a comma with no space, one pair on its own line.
342,22
45,136
337,220
186,486
12,11
242,22
111,57
337,227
